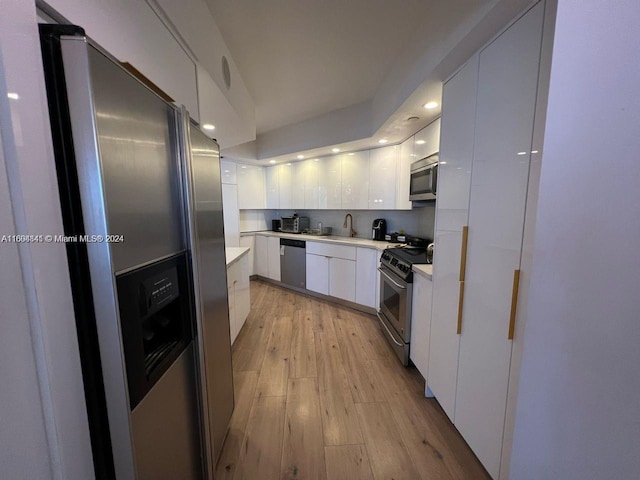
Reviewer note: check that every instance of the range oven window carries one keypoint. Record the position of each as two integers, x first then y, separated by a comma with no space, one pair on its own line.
391,300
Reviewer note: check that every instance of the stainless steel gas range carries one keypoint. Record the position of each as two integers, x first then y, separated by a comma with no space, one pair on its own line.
396,295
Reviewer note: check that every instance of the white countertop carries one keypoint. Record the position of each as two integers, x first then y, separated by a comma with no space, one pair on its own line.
354,241
424,270
234,253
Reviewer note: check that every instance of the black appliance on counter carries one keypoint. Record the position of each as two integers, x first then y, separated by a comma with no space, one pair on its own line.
396,295
275,225
379,229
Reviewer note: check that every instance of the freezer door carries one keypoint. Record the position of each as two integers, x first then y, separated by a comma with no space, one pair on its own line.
206,238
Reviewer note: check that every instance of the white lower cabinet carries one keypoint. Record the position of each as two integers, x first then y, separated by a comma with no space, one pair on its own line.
342,278
262,256
250,242
367,260
420,323
318,273
238,291
273,253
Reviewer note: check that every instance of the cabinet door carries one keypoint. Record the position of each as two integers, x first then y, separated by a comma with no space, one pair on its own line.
285,195
342,279
231,215
262,256
329,183
298,174
382,178
421,323
355,180
273,257
251,187
311,188
507,89
405,158
273,187
250,241
427,140
228,172
242,293
318,273
366,268
232,274
454,182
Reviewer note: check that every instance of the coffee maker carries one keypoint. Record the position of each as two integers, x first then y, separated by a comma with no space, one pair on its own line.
379,229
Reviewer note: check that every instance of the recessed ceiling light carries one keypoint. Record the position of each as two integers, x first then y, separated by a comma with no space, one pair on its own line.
208,126
288,164
430,105
419,142
522,153
383,141
244,166
13,96
316,159
272,161
300,157
534,151
413,119
351,154
335,150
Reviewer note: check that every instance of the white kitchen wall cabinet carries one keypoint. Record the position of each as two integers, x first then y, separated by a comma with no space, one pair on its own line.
330,183
285,184
251,187
405,159
250,242
231,215
262,256
298,174
273,252
367,260
382,177
318,273
228,172
311,188
355,180
273,187
427,140
507,90
421,323
452,208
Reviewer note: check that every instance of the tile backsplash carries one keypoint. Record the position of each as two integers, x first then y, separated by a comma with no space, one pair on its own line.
418,222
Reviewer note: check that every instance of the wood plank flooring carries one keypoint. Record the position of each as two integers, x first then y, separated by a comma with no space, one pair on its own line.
320,395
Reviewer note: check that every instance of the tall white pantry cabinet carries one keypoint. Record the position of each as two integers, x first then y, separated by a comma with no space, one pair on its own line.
489,108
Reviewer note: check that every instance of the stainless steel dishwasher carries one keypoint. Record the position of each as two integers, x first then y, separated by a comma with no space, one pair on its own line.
293,262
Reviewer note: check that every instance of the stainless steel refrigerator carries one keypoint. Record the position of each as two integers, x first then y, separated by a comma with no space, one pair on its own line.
142,210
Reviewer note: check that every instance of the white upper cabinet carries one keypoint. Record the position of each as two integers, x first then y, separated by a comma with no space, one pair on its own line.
427,140
228,172
310,170
507,92
231,215
330,183
355,180
298,185
285,182
273,186
382,178
251,187
406,157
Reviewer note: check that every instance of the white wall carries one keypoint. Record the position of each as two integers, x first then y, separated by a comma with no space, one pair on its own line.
578,413
43,422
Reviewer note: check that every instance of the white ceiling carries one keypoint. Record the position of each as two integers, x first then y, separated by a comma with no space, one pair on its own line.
304,58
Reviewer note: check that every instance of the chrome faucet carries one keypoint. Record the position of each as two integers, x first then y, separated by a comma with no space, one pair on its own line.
352,232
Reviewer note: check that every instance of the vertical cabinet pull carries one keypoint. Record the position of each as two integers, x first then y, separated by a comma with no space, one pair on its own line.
463,268
463,252
460,302
514,303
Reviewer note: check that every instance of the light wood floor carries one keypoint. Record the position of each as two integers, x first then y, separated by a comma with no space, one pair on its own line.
320,395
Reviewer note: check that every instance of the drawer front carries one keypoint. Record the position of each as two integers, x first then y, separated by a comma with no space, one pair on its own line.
332,250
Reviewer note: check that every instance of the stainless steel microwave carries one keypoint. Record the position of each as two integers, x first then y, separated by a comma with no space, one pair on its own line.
424,179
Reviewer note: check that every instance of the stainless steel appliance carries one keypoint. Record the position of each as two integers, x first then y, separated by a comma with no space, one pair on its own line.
293,262
379,229
149,296
275,225
295,224
430,248
396,295
424,179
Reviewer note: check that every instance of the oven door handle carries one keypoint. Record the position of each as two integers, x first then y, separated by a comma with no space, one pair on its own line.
393,339
392,280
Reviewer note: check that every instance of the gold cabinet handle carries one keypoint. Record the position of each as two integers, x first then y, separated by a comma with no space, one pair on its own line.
463,252
460,302
514,303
